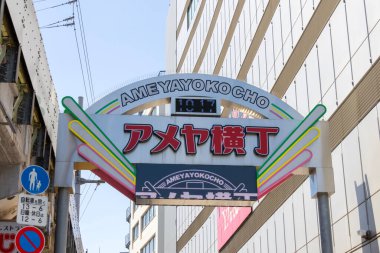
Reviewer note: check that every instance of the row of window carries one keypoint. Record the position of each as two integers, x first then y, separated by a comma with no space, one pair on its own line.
146,219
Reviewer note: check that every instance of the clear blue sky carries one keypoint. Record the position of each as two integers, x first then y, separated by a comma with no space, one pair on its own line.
125,40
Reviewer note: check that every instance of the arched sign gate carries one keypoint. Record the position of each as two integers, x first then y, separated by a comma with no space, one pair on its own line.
194,156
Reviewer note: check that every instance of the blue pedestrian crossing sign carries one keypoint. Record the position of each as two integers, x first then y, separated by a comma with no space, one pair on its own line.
35,179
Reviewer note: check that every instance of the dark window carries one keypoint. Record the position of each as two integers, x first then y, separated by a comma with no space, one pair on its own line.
148,216
191,11
135,232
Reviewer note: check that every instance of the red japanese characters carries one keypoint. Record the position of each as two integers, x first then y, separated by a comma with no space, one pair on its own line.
223,139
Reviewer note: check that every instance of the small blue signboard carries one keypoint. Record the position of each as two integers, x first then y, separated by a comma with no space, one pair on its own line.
30,240
170,184
35,179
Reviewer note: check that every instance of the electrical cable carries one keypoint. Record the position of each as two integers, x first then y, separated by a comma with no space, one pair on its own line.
55,26
87,187
80,61
88,202
87,79
85,50
63,20
58,5
39,1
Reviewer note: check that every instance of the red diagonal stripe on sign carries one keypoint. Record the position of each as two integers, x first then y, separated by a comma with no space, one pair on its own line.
30,241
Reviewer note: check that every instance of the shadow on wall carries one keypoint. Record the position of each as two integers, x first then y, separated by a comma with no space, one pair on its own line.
367,229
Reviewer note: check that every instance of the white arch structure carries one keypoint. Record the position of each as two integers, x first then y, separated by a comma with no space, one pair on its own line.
96,137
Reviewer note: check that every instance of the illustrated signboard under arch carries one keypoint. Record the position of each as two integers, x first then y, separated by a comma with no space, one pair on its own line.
195,157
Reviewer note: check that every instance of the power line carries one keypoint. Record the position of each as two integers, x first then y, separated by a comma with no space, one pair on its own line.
88,202
86,77
63,20
39,1
87,187
58,23
55,26
58,5
85,50
80,61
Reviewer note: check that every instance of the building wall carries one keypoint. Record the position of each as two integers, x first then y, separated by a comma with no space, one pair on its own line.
28,115
307,52
161,228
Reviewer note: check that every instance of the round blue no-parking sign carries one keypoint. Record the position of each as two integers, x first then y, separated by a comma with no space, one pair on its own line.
35,179
30,240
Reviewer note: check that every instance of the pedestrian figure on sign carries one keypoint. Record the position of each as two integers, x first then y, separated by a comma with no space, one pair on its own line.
38,185
32,179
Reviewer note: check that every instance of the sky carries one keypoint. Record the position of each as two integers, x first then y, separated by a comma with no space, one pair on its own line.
125,41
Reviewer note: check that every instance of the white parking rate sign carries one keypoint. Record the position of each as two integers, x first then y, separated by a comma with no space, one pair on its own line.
32,210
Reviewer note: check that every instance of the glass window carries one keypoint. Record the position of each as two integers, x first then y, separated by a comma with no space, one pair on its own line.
341,235
280,227
313,80
326,60
299,222
149,247
338,199
302,92
373,13
356,23
360,62
135,207
148,216
310,212
369,150
353,178
191,11
289,226
135,232
340,38
374,38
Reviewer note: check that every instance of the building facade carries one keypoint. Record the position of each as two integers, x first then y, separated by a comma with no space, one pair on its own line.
151,229
28,120
305,52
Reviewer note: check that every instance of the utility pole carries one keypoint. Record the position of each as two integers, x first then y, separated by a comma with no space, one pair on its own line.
324,222
62,220
78,173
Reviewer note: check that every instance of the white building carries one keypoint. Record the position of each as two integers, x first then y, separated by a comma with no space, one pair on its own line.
305,52
152,229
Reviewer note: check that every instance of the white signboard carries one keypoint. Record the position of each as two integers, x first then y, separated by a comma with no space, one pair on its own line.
32,210
278,142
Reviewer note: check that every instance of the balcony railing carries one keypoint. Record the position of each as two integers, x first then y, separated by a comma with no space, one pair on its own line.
128,214
127,241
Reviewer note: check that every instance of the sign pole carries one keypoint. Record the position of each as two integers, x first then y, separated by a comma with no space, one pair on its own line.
63,209
324,222
78,173
62,220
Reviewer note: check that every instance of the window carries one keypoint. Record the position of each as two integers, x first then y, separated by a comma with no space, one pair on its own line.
148,216
191,11
149,247
135,232
135,207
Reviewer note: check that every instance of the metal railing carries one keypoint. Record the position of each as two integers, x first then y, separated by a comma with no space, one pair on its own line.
128,214
127,241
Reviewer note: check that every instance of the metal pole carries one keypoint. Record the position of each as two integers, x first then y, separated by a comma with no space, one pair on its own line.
63,212
324,222
78,173
62,220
